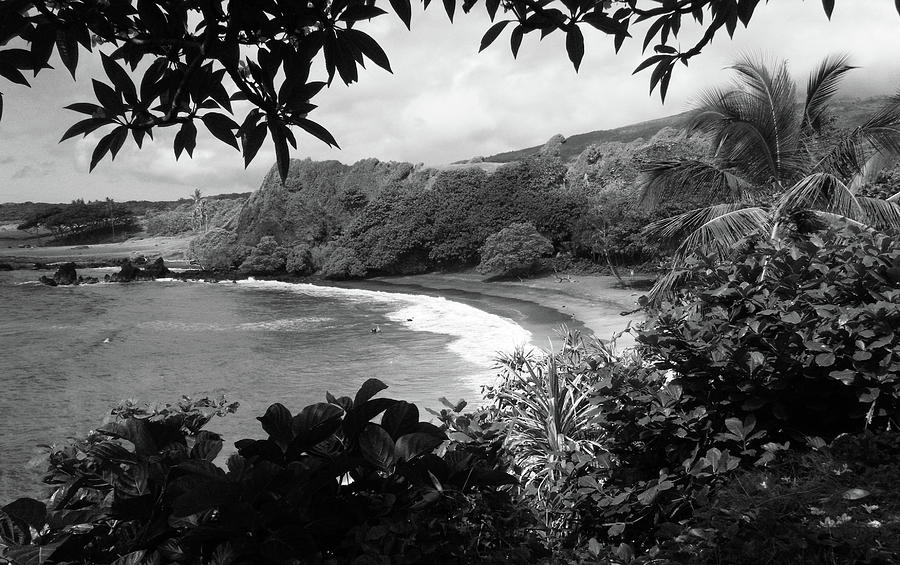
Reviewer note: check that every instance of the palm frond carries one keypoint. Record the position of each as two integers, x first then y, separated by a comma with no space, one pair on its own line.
771,106
662,180
882,130
822,86
676,228
720,233
820,192
881,214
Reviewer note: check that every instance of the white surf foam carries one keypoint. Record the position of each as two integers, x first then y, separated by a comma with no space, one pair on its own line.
478,335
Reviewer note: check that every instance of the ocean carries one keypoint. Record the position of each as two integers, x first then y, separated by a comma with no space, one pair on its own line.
68,354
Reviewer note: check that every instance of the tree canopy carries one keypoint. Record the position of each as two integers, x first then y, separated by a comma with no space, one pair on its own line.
195,58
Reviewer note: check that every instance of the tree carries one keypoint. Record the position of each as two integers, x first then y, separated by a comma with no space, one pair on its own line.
194,58
774,163
514,250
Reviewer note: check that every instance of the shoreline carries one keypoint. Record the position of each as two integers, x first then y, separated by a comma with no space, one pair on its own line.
591,304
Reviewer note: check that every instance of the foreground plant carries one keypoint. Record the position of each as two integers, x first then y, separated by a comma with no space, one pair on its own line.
326,483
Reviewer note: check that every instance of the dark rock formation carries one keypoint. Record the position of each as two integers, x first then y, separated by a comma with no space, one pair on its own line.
66,274
47,280
127,273
88,280
157,269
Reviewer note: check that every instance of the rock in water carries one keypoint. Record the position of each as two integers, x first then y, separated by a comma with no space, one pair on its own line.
66,274
47,280
157,269
127,273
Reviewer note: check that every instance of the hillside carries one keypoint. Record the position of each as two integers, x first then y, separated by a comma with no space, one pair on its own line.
849,112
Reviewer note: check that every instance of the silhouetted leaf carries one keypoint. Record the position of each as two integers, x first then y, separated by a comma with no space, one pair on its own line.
120,79
403,9
515,40
416,444
317,131
450,8
368,389
222,127
492,33
207,446
29,511
282,154
11,531
369,48
252,141
575,46
401,418
185,139
108,97
828,5
377,447
277,423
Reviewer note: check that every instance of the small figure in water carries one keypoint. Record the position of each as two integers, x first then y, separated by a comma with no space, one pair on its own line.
106,340
375,330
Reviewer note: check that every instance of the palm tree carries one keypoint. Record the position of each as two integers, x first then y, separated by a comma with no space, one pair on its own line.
773,160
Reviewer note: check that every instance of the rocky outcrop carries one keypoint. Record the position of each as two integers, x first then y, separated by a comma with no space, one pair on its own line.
66,274
157,269
130,273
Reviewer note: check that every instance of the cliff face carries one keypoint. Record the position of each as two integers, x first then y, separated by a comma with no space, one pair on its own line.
319,198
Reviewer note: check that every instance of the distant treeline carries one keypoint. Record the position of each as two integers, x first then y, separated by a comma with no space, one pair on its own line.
23,211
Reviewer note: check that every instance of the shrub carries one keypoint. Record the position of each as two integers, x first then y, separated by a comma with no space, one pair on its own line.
343,264
514,250
216,250
300,260
171,222
801,336
326,483
266,258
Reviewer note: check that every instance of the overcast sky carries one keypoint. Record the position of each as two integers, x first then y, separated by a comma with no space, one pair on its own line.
444,102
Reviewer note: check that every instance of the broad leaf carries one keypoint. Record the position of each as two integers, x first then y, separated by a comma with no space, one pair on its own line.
416,444
377,447
368,389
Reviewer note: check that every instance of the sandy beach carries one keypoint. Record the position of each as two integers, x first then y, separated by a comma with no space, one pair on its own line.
592,303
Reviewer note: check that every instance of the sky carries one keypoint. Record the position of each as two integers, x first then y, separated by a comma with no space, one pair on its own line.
444,101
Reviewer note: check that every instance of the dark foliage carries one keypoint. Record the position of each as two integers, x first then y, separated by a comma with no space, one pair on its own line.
82,221
325,485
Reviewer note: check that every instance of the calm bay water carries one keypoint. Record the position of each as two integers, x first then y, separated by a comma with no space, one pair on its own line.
67,354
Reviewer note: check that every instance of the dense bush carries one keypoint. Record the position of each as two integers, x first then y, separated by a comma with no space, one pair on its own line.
266,258
217,249
514,250
300,260
171,222
325,485
343,263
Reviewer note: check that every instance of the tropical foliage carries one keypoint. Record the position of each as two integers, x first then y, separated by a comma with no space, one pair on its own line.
774,163
217,249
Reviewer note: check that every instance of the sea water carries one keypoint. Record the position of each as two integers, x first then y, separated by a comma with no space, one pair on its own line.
68,354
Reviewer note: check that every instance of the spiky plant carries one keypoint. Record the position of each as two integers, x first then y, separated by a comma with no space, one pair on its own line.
554,436
772,160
